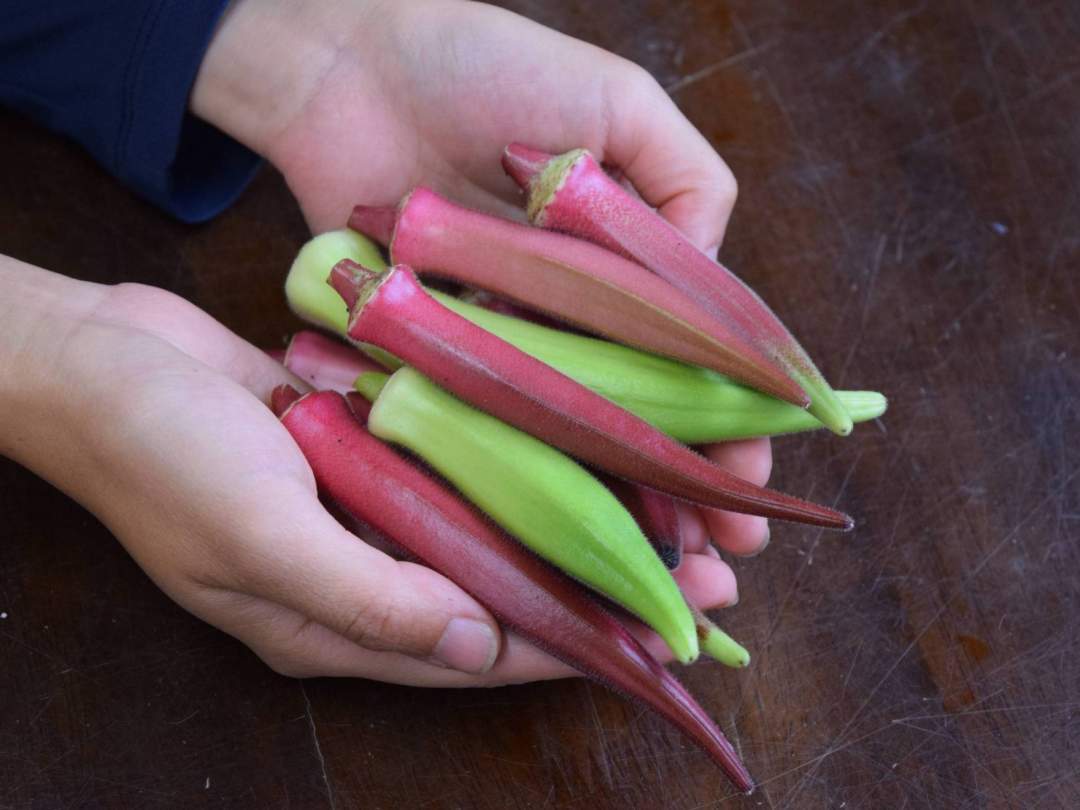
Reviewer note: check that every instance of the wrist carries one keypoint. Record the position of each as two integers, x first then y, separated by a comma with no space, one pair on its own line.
267,60
42,313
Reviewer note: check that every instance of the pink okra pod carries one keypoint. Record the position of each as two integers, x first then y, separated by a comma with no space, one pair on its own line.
324,363
372,482
570,280
391,310
571,193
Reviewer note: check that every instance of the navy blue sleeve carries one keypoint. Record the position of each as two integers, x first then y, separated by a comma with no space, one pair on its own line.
115,75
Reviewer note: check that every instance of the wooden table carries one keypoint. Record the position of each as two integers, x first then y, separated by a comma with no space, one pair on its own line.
910,204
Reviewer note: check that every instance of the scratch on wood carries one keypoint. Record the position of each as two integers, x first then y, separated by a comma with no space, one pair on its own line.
1005,540
715,67
1006,113
318,748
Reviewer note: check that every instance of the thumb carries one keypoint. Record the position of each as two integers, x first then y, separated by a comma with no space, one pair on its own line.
323,572
668,160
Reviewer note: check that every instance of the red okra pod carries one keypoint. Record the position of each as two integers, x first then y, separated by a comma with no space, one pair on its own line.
655,513
370,480
324,363
571,280
392,311
572,194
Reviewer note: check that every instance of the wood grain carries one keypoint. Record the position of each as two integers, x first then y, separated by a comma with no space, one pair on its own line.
910,205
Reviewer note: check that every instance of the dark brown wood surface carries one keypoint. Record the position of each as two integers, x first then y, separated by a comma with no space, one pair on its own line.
910,204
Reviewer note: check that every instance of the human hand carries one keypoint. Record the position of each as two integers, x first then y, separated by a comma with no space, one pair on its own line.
360,100
151,414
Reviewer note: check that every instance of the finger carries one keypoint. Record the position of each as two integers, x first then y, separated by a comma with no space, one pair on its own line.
311,565
740,534
707,582
668,160
294,645
695,533
326,654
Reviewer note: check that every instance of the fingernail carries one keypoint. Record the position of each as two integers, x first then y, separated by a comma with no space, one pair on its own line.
713,251
734,600
467,645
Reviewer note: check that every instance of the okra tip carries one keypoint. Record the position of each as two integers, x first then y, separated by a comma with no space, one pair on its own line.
825,403
864,405
719,645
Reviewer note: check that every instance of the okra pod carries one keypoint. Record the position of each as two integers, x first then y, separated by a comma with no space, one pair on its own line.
571,193
392,310
692,404
572,280
537,494
689,403
367,479
324,363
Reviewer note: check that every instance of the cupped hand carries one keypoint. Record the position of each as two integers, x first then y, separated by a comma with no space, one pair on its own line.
365,99
152,415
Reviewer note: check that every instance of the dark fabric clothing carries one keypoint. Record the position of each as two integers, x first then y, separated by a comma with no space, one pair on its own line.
116,77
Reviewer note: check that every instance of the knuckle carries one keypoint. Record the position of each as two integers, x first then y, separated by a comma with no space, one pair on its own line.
626,84
283,641
251,545
727,187
638,77
152,309
376,624
130,297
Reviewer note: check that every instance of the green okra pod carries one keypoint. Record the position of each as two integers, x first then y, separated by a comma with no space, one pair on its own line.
717,644
542,497
312,299
692,404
